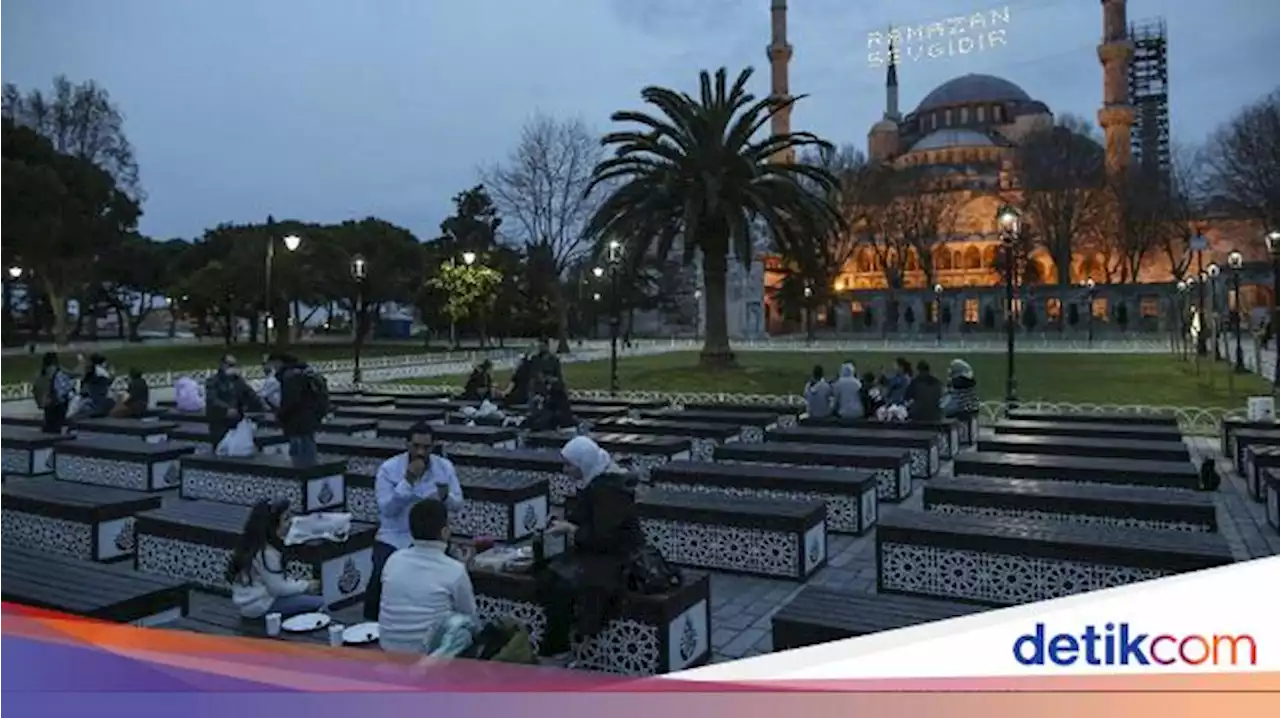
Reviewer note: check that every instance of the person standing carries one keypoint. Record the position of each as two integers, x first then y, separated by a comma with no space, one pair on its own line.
817,395
546,365
52,392
228,397
304,404
847,394
421,472
269,392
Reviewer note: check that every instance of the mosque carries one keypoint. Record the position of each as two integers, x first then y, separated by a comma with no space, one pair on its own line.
973,125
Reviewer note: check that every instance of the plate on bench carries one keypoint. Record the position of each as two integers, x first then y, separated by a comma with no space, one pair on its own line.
361,633
306,622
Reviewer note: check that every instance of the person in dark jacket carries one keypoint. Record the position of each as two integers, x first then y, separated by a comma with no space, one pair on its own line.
228,397
53,390
517,393
545,364
304,404
924,395
133,405
551,409
95,389
480,383
583,587
963,402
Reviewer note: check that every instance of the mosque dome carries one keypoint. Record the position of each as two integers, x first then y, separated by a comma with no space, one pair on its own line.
948,138
973,88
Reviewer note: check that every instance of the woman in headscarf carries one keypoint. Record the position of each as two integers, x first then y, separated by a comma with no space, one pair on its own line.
582,588
962,388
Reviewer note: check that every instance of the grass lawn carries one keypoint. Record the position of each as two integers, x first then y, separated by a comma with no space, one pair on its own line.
200,356
1154,379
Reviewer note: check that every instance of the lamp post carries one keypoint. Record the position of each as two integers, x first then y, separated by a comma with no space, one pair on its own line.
697,320
1010,223
1181,313
937,310
1196,325
1273,246
1212,272
1202,344
291,243
359,269
1235,261
614,256
15,272
808,313
1091,291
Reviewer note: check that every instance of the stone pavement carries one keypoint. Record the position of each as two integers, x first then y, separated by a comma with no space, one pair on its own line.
742,606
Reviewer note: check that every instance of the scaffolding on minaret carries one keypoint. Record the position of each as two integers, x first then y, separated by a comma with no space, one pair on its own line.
1149,94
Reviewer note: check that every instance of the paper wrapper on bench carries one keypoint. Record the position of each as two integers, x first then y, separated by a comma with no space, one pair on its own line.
1262,408
329,527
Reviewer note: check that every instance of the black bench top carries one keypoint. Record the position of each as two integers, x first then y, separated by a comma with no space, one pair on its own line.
347,424
1091,417
356,400
592,413
339,445
740,418
816,479
859,436
434,403
210,613
499,487
220,525
1082,468
1086,445
123,426
739,505
821,454
480,434
272,465
60,583
835,421
694,430
1264,453
512,459
1061,540
614,443
854,614
777,409
943,490
84,503
383,413
23,420
1083,428
22,437
200,432
122,447
623,403
1248,435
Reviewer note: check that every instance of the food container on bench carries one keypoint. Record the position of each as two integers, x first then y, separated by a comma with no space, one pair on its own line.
1262,408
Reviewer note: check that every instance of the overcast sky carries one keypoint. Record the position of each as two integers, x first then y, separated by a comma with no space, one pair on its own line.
324,110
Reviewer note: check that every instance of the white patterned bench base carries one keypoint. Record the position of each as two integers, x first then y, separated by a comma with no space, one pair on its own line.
104,541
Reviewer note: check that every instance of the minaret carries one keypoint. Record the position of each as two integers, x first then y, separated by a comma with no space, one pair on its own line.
779,53
891,84
882,141
1116,115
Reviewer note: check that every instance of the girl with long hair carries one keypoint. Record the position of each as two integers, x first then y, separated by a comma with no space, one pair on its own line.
256,570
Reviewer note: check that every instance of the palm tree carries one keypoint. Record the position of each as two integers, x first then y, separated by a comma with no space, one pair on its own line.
696,172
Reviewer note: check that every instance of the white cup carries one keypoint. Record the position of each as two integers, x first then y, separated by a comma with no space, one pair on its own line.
273,624
335,634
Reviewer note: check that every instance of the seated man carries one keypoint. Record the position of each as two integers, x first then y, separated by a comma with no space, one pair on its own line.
421,584
480,383
137,398
551,409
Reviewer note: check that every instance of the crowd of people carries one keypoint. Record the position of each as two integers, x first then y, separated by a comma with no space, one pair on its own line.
537,385
905,392
84,392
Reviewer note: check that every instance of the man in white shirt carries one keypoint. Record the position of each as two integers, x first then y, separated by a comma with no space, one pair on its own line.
421,584
269,392
402,481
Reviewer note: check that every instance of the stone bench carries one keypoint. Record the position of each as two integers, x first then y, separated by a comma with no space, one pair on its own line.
361,455
1002,561
1228,426
820,615
246,480
1242,439
121,463
947,429
890,467
94,523
653,635
1134,432
922,447
784,414
23,421
439,403
475,463
267,441
1258,459
751,425
1086,446
1095,417
1079,469
590,414
380,414
455,435
358,400
704,437
761,537
349,426
454,418
192,541
44,580
626,404
1271,486
150,431
1100,505
850,496
504,506
216,615
638,452
28,452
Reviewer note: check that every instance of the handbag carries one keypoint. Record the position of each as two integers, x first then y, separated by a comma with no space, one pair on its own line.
649,573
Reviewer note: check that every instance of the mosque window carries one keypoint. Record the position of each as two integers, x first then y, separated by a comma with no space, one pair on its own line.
956,261
971,311
933,121
1053,308
1150,307
964,115
1100,308
989,257
855,307
942,260
982,113
972,258
997,114
948,118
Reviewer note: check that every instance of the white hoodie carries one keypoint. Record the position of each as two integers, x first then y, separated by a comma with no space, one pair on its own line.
847,392
267,582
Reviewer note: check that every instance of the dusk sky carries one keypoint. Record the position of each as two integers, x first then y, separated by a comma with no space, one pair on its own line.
324,110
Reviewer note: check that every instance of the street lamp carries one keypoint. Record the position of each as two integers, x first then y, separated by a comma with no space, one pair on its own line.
1181,312
1235,261
598,271
1273,246
291,243
614,256
1091,290
15,272
697,321
1211,276
808,312
937,310
359,270
1202,344
1010,224
468,258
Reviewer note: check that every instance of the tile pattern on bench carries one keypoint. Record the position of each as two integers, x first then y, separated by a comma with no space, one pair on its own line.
891,485
60,536
845,513
1073,518
734,548
26,462
136,475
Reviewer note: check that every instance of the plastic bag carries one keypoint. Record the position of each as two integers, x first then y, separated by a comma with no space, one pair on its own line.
238,441
328,526
76,405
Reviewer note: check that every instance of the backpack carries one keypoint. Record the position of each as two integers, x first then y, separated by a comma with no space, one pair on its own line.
649,573
315,394
42,390
1209,478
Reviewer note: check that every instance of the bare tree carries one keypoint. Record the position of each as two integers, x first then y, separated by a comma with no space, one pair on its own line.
1244,161
1183,206
540,190
921,213
1061,172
